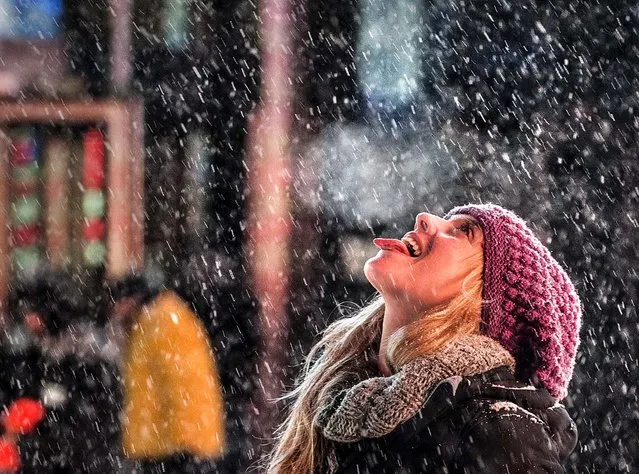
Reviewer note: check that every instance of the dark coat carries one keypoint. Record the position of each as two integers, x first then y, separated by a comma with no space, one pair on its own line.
488,423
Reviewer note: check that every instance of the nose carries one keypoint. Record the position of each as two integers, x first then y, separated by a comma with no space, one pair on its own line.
424,222
429,223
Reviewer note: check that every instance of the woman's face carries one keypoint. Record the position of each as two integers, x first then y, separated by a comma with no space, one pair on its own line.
427,267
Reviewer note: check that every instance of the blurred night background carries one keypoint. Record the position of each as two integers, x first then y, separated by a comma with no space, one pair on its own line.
279,138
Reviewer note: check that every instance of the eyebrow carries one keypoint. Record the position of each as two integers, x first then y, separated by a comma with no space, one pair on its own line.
465,218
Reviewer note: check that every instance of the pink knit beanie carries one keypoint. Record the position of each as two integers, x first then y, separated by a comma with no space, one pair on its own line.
530,305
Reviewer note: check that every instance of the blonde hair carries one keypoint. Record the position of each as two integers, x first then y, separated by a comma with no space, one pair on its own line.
299,445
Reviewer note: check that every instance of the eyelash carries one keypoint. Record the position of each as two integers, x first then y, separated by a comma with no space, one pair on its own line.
466,227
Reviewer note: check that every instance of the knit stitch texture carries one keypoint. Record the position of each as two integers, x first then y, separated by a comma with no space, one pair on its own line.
530,305
377,405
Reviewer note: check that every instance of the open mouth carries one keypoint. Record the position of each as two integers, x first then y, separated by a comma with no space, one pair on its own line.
412,246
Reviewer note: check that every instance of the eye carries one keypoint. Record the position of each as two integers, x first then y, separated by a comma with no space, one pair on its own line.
467,227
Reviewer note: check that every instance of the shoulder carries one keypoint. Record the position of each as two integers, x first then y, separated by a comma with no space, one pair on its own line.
503,417
168,309
505,437
492,423
168,314
167,301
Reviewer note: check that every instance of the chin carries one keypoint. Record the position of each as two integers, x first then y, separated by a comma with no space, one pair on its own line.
377,271
371,271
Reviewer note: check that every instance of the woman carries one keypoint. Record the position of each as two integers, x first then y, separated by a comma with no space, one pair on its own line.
457,367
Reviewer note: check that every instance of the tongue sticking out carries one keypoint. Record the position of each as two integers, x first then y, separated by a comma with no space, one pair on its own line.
391,244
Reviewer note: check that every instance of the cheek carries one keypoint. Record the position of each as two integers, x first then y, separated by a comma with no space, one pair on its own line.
436,284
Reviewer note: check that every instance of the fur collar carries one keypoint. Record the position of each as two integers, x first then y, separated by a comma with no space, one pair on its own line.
376,406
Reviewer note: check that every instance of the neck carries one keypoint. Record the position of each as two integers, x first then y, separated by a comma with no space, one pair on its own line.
397,314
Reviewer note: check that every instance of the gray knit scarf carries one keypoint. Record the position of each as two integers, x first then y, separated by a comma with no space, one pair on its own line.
376,406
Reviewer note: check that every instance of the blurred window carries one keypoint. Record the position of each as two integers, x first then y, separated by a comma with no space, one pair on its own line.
389,61
30,19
